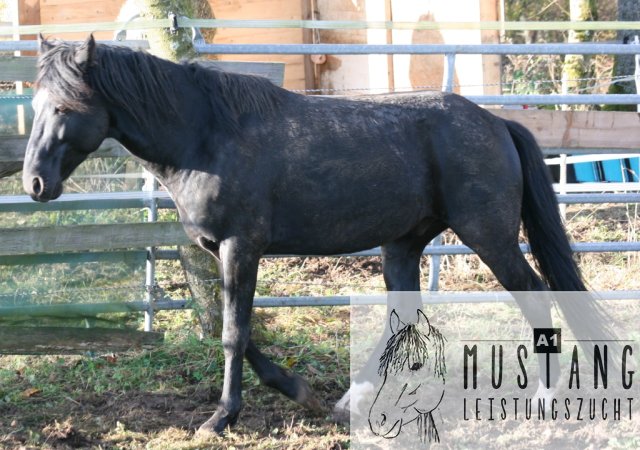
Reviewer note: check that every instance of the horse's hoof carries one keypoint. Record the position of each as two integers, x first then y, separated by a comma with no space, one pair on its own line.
216,425
305,395
343,411
341,415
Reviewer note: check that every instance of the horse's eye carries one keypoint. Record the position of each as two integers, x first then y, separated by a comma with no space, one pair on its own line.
61,110
416,366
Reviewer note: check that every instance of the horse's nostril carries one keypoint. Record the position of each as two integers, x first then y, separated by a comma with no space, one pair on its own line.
37,185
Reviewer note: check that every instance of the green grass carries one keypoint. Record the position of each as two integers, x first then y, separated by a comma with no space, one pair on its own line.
119,401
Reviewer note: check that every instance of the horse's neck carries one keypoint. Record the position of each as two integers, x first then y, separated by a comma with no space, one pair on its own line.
163,144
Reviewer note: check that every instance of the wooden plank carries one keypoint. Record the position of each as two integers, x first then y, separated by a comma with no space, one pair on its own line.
294,64
491,64
131,257
12,149
264,10
9,168
80,238
18,68
274,71
257,9
28,14
306,13
89,200
23,308
87,12
66,341
579,129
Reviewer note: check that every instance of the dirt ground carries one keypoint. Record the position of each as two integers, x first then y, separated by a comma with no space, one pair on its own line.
162,420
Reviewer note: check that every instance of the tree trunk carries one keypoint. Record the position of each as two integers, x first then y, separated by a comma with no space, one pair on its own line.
575,67
624,65
203,277
162,42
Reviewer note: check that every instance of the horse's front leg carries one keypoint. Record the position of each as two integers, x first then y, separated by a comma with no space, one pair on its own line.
239,271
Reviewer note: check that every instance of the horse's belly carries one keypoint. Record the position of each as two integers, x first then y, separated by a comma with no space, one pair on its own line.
334,232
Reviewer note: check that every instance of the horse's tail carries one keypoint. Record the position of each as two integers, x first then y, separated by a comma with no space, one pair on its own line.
541,217
547,238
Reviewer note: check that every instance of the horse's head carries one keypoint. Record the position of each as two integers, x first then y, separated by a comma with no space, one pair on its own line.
412,367
70,122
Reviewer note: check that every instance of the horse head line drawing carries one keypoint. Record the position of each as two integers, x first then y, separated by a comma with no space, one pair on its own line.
412,368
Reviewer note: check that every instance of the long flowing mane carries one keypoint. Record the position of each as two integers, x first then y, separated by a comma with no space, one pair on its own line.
140,83
410,343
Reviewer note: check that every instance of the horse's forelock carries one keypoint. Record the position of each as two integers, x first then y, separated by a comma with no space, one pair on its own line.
135,81
63,79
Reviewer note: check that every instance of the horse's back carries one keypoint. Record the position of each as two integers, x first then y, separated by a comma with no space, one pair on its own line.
344,175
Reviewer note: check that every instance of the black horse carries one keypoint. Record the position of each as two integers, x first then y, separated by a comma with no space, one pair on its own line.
254,168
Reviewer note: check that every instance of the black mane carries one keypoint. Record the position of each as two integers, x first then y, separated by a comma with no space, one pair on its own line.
140,83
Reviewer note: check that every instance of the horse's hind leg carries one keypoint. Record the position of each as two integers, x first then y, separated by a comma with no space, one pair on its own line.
401,270
290,384
494,238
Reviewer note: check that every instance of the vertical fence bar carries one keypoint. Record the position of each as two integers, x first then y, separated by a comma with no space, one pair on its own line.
447,86
150,186
563,184
449,72
19,85
636,41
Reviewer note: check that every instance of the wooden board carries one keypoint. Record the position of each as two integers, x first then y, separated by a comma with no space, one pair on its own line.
28,14
79,11
579,129
12,149
273,71
66,341
294,77
491,64
80,238
18,68
131,257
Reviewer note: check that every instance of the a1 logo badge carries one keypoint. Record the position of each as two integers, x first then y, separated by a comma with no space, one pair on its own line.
546,340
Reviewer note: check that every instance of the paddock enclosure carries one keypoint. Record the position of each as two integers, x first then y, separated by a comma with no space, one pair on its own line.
136,224
613,134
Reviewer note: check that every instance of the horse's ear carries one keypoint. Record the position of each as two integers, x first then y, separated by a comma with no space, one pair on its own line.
43,45
394,322
85,54
423,323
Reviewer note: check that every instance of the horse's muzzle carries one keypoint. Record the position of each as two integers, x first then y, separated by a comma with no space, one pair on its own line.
41,191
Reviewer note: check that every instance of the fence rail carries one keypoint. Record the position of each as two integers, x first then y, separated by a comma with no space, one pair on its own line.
185,22
154,200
